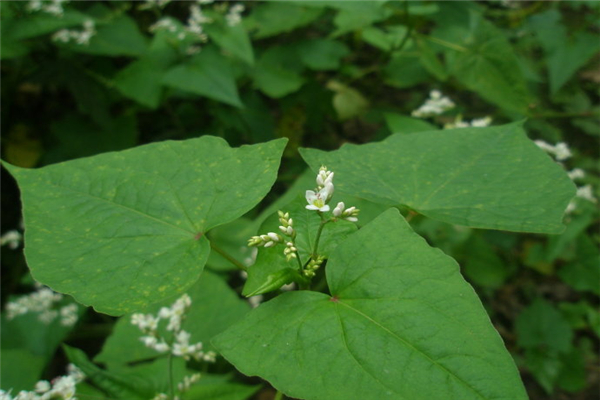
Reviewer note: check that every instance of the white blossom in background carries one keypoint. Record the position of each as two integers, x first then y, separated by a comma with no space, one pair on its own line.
149,4
42,301
234,16
164,23
187,382
54,7
585,192
81,37
576,173
560,151
12,239
476,123
436,104
195,22
180,345
62,387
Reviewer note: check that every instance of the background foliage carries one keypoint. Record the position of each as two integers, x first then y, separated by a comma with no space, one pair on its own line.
320,73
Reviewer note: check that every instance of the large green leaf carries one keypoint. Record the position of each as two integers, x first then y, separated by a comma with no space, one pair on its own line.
276,17
480,177
122,230
401,323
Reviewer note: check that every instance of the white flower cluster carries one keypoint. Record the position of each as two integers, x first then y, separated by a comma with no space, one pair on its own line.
271,239
349,214
54,7
436,104
63,387
42,301
560,151
11,238
234,16
81,37
180,346
476,123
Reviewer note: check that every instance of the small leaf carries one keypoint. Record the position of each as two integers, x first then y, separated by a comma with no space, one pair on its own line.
207,74
491,177
542,326
401,323
402,124
233,39
272,18
348,102
120,231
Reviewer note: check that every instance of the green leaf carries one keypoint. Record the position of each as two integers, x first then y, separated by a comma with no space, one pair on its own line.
401,323
405,70
399,123
583,273
42,23
277,72
542,326
215,306
322,54
488,66
123,230
233,39
483,266
207,74
491,177
272,18
220,391
566,53
120,37
142,79
20,369
386,40
232,238
358,15
347,102
116,385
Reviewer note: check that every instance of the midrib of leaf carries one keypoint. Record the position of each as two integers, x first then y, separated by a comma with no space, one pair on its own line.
123,207
403,341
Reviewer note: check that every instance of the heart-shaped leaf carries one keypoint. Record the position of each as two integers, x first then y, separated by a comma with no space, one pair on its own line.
119,231
491,177
401,324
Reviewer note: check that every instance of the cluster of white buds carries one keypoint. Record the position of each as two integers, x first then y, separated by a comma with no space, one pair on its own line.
436,104
234,16
317,200
54,7
42,301
11,238
287,223
180,345
312,266
268,240
290,251
62,387
349,214
476,123
164,24
560,151
81,37
187,382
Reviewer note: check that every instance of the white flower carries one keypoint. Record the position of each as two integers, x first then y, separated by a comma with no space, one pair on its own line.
585,192
576,173
317,201
339,209
149,341
435,105
161,347
42,386
481,122
560,151
11,238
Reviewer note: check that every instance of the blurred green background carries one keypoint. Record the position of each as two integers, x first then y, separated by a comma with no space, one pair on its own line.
82,78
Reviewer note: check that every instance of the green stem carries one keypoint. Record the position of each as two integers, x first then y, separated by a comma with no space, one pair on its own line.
171,383
278,396
408,32
226,256
447,44
315,253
